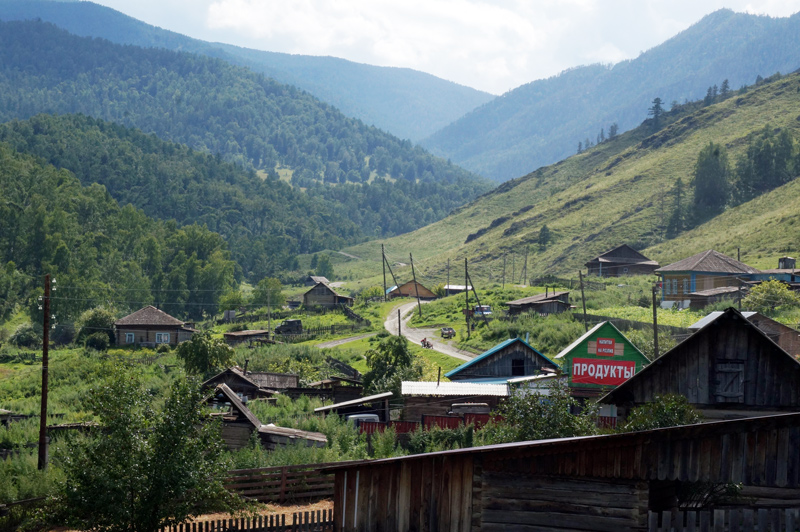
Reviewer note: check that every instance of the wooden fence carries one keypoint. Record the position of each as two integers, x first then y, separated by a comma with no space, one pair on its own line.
318,331
736,520
566,283
282,483
319,521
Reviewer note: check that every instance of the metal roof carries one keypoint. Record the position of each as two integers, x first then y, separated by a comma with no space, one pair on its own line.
708,261
354,402
453,388
492,351
575,344
538,298
715,291
711,317
149,315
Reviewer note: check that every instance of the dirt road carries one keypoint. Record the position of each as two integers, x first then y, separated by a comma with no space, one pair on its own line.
334,343
416,335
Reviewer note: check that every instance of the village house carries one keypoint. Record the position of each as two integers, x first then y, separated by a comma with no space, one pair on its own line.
313,280
599,360
728,369
543,304
323,295
149,327
609,482
252,385
787,338
507,360
704,278
410,289
239,424
622,260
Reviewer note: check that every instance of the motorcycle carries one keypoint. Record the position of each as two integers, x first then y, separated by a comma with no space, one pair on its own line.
427,344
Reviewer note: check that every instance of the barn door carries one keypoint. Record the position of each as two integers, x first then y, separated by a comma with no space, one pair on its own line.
730,383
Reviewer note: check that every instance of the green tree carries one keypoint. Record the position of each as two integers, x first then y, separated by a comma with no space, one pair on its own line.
268,291
675,225
711,182
203,354
613,131
544,237
324,266
656,111
665,411
532,416
769,297
96,320
146,469
768,163
389,364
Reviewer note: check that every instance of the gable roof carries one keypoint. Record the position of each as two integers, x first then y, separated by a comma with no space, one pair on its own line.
538,298
237,403
330,289
564,352
494,350
623,254
708,261
149,315
319,279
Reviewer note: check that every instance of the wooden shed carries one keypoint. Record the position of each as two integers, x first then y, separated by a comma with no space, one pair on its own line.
547,303
622,260
410,289
599,360
506,360
437,398
372,404
606,483
251,385
323,295
727,369
239,423
786,337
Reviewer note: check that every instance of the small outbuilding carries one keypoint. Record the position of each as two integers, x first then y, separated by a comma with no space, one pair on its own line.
253,385
377,404
150,326
622,260
437,398
507,360
313,280
599,360
543,304
323,295
248,336
727,369
410,289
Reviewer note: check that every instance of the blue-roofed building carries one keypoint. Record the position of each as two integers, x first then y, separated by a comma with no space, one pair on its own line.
507,360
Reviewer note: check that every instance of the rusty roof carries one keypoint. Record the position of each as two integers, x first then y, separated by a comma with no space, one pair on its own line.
149,315
708,261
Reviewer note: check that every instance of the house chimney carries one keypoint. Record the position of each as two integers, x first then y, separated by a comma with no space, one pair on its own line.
246,361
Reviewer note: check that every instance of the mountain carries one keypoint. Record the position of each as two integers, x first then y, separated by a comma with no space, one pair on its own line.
542,122
96,250
407,103
358,173
622,191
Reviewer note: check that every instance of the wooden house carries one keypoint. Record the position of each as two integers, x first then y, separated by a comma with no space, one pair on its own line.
599,360
252,385
594,483
313,280
323,295
787,338
693,277
547,303
410,289
239,424
338,389
150,326
453,289
506,360
727,369
622,260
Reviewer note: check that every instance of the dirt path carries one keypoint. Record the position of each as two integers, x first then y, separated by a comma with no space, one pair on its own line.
416,335
334,343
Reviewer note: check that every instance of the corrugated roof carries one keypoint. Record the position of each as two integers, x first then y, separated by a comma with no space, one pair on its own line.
709,261
149,315
355,402
715,291
491,352
453,388
537,298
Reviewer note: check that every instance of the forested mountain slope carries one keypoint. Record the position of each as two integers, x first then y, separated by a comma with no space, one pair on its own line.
543,122
407,103
98,251
368,175
626,191
265,222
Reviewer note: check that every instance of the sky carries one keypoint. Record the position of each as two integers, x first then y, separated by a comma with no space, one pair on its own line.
491,45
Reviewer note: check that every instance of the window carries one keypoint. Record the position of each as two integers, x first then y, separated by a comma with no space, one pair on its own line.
129,338
162,338
686,286
675,286
518,367
667,286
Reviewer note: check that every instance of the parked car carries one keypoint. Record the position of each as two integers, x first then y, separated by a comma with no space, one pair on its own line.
448,332
482,310
290,327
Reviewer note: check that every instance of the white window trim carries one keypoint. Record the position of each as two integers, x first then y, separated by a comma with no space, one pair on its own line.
162,338
130,338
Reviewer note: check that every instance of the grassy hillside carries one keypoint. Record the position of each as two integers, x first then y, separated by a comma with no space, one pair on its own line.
617,192
407,103
542,122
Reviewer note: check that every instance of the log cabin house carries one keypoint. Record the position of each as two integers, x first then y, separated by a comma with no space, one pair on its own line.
249,385
543,304
323,295
622,260
507,360
149,327
728,369
703,278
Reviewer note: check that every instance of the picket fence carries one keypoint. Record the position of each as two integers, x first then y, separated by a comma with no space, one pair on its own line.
282,483
319,521
734,520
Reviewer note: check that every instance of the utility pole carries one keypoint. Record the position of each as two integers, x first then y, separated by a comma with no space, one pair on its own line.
399,324
655,325
504,269
583,298
45,358
513,268
466,293
447,289
269,312
383,263
524,268
416,286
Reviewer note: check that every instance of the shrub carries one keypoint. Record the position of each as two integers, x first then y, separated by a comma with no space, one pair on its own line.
97,341
93,321
26,336
668,410
63,334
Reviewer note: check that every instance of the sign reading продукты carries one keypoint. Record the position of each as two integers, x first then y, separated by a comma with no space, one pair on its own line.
606,372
